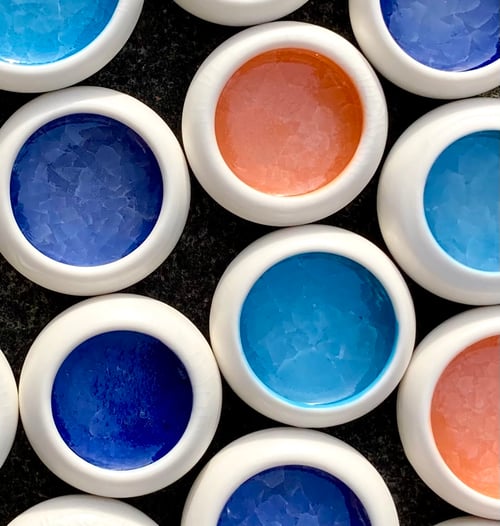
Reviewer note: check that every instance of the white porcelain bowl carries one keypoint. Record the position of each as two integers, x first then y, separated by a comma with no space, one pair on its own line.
274,448
261,381
402,211
151,252
8,408
238,13
431,358
91,459
201,144
388,57
468,521
82,509
22,76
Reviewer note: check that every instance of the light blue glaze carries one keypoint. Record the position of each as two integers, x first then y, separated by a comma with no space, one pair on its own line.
450,35
462,200
318,329
122,400
45,31
86,190
293,496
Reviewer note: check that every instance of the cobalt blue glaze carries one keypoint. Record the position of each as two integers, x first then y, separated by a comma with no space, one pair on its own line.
462,200
46,31
451,35
121,400
293,496
86,190
318,329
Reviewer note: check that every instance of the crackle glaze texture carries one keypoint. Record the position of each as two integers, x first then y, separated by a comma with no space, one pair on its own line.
288,121
86,190
465,416
451,35
462,200
293,496
317,329
45,31
122,400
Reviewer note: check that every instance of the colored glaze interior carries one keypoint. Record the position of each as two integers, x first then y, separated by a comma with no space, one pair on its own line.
86,190
121,400
288,121
449,36
46,31
318,329
465,415
462,200
293,496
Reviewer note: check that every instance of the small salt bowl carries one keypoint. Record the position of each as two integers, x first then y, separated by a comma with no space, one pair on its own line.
289,476
439,201
51,45
284,123
312,326
469,521
8,408
120,395
82,510
237,13
94,190
448,411
439,49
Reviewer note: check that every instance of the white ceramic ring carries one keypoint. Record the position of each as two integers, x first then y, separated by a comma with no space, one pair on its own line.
262,450
237,13
73,509
92,318
169,223
8,408
468,521
431,358
399,67
401,207
238,362
209,165
63,72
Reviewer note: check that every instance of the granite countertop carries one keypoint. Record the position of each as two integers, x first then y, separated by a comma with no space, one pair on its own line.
156,67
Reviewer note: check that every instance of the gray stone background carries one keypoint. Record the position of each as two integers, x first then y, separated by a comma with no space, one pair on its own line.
156,66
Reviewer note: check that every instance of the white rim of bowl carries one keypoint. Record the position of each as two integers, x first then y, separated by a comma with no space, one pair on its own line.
431,358
240,277
73,509
8,408
395,64
263,450
109,277
400,202
200,141
96,316
240,12
468,521
30,78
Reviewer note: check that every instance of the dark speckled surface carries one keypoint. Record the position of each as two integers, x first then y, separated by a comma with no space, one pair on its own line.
156,67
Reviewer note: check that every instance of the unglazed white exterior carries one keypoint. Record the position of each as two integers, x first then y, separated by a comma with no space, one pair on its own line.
200,142
96,316
110,277
34,78
8,408
400,202
82,510
469,521
431,358
395,64
246,269
270,448
240,12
